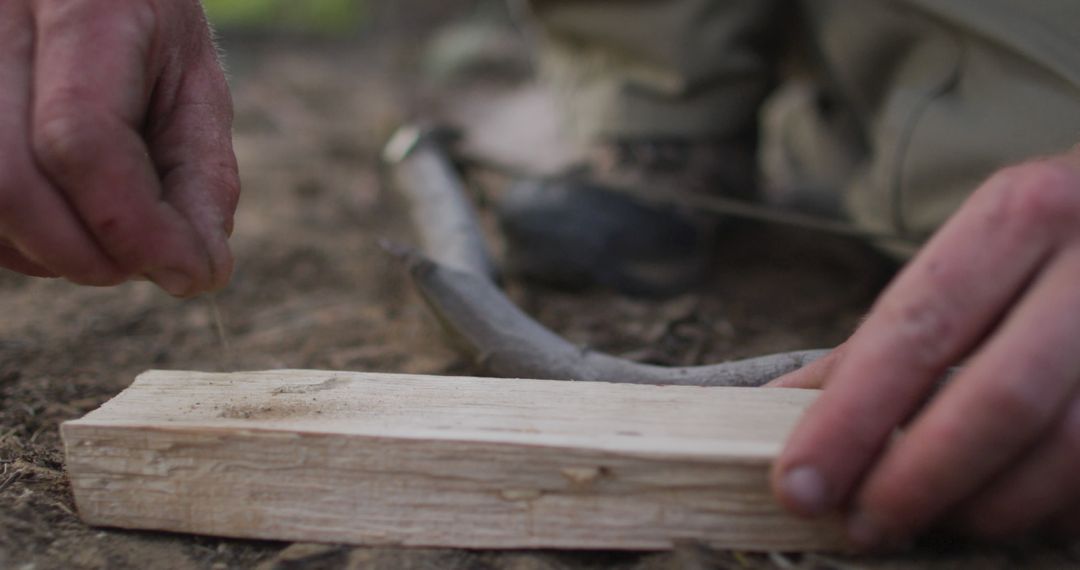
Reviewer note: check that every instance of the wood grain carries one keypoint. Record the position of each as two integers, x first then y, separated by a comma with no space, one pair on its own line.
432,461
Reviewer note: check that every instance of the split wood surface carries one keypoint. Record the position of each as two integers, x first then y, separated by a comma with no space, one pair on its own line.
383,459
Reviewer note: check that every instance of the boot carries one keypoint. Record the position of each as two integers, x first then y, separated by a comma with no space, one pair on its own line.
579,229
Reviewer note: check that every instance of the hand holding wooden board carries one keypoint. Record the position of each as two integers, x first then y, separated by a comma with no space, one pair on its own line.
432,461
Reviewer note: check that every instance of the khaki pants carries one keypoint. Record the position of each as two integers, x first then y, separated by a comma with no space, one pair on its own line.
913,102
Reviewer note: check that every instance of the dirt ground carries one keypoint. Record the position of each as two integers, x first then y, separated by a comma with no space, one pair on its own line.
313,290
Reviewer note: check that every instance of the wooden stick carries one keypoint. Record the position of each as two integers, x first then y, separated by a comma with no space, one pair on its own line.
450,462
455,276
441,211
505,341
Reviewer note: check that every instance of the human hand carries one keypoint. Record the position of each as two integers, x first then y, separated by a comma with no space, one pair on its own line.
116,157
996,452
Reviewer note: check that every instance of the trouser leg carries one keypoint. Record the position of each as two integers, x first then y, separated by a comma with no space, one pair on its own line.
920,99
942,93
660,69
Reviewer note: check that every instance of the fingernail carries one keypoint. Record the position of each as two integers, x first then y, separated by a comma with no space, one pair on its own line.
864,532
805,487
173,282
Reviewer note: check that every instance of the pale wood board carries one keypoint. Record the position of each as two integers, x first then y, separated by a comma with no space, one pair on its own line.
437,461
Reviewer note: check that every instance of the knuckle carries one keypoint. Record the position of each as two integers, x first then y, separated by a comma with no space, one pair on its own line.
65,137
143,18
59,16
1036,197
1022,403
950,431
923,328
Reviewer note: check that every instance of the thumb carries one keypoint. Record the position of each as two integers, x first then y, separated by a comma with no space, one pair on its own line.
190,140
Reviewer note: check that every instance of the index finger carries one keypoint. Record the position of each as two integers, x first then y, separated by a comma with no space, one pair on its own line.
935,312
93,78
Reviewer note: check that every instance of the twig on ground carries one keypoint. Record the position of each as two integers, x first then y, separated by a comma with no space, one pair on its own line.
507,342
63,507
11,479
457,284
441,213
37,432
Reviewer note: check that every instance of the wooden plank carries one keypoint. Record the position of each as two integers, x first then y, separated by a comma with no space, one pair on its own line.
430,461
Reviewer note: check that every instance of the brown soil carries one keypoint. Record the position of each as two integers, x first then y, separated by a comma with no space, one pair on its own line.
313,290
